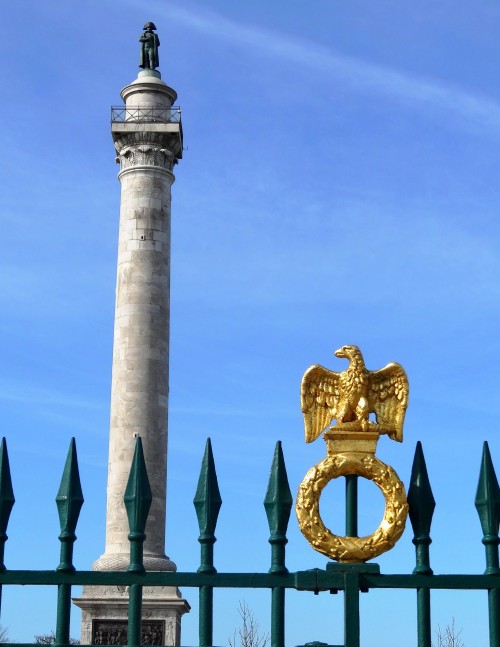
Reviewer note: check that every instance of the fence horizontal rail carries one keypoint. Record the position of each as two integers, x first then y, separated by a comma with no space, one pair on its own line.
301,580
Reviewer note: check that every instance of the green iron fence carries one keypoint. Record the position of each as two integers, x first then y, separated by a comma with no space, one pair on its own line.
352,579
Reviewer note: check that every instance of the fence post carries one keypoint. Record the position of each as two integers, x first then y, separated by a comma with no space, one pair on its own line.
421,502
278,504
207,503
69,502
488,508
137,501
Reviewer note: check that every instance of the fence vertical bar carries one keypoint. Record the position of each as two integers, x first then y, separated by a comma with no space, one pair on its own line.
207,503
69,501
351,609
494,616
7,501
63,614
134,629
278,504
351,505
488,507
422,504
424,617
137,501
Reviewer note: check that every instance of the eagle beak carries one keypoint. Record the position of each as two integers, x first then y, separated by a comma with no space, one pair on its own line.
340,353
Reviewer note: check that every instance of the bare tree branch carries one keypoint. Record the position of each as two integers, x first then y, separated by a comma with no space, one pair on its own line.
450,637
248,635
50,639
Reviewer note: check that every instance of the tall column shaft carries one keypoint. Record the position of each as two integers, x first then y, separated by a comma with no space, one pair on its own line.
139,395
148,144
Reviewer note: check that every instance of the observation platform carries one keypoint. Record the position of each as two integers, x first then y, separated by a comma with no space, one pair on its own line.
130,119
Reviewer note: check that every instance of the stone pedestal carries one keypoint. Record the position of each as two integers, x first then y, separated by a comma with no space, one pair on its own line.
104,615
147,134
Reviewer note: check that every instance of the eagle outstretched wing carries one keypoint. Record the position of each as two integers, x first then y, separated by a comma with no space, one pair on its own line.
320,392
388,397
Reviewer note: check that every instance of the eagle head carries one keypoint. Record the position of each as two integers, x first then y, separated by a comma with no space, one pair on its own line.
348,352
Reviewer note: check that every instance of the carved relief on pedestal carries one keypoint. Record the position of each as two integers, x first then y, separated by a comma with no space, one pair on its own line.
114,632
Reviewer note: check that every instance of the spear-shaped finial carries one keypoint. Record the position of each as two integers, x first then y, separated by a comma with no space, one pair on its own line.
278,503
488,508
207,503
137,501
422,504
69,502
7,498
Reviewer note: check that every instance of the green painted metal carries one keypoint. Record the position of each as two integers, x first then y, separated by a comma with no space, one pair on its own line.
352,579
488,507
7,501
350,572
63,614
424,631
69,501
207,503
137,500
206,617
351,505
494,617
278,504
351,609
422,505
351,596
314,580
134,628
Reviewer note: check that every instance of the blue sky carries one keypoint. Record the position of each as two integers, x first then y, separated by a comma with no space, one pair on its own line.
340,185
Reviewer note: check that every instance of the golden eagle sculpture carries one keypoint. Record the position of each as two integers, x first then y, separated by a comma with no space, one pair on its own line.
351,396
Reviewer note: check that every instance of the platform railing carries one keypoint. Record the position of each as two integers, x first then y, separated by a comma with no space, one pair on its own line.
139,114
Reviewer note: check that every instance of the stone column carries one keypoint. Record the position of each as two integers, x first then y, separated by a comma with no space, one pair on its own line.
139,392
147,134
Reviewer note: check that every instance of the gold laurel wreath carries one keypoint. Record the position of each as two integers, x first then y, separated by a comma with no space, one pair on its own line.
351,549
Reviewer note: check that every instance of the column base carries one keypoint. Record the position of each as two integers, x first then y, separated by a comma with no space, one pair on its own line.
105,611
120,562
105,608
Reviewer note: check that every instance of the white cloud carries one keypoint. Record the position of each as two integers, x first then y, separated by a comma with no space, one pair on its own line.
471,111
33,395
